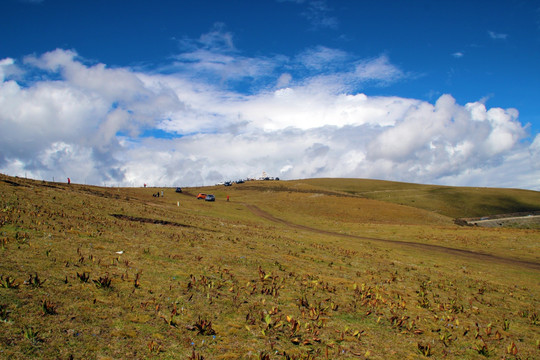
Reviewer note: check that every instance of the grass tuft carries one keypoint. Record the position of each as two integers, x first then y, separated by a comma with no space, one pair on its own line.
8,282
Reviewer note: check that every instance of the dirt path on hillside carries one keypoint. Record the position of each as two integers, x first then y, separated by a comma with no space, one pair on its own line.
430,247
524,219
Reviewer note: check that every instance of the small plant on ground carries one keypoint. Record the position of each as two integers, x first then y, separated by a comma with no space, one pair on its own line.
154,347
512,349
104,282
481,348
204,327
8,282
48,307
31,335
4,313
34,281
195,356
534,318
424,349
137,282
84,277
171,321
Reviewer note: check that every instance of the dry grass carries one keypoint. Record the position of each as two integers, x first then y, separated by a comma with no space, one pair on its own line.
455,202
106,273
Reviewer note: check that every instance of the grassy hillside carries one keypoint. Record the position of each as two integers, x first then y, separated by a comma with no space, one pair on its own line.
312,269
456,202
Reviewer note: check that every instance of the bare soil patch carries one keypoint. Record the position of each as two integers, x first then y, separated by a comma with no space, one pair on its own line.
147,220
13,183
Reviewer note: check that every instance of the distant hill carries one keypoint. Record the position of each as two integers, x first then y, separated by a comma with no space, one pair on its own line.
450,201
455,202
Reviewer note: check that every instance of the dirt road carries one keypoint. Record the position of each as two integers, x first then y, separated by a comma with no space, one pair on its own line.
527,219
429,247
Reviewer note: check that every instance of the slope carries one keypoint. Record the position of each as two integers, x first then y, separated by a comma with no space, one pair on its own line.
109,273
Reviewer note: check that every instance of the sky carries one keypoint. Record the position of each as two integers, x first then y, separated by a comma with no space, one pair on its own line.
189,93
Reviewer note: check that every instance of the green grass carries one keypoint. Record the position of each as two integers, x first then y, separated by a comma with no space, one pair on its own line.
455,202
291,286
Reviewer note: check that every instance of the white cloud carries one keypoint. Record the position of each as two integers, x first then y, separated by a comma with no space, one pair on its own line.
378,69
88,107
284,80
213,59
5,66
318,13
322,58
458,54
218,38
497,36
85,123
223,67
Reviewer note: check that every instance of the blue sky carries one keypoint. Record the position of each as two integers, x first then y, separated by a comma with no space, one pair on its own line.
196,92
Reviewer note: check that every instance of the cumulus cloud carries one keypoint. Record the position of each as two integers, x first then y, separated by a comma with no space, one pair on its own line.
97,124
8,69
80,114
